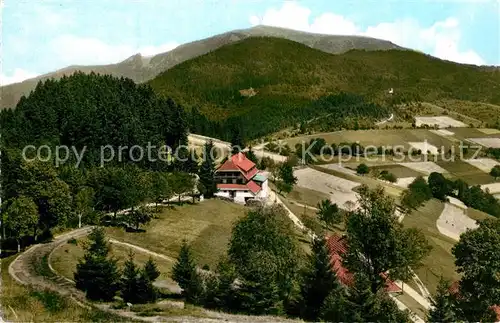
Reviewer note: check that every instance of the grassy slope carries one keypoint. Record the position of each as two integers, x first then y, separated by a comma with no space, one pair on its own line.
65,258
288,73
440,262
26,304
206,226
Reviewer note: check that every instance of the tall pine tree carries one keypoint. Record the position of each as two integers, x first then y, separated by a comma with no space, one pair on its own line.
97,274
319,281
207,170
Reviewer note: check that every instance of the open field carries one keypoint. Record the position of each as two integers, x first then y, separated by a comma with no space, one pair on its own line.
465,171
424,167
489,131
484,164
444,109
424,147
340,190
439,121
391,189
307,196
400,171
388,137
440,261
442,132
65,258
206,226
484,112
487,142
494,188
454,221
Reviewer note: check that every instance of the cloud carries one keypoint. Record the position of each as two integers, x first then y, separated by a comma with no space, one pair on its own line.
19,75
442,39
74,50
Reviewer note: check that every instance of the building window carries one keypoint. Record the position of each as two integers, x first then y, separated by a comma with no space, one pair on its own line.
224,181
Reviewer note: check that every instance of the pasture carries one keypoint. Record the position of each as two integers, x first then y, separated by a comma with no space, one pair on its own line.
206,226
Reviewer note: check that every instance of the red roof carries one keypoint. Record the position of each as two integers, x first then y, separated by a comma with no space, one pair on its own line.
250,186
338,247
242,162
239,162
253,187
229,166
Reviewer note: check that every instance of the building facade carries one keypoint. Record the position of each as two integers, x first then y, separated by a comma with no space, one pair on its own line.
239,180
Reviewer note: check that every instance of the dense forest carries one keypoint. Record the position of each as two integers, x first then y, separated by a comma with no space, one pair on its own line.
85,113
93,111
265,77
330,113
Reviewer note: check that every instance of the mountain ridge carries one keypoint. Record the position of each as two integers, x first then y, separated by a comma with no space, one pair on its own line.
141,69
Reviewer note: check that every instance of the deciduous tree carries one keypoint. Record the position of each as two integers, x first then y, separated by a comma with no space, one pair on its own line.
21,217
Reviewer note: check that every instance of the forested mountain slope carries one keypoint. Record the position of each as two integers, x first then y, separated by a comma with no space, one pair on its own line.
284,80
141,69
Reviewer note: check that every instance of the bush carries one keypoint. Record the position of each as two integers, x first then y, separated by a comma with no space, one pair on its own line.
362,169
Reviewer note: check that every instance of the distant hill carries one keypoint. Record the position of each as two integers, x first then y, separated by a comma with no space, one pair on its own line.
290,81
288,73
141,69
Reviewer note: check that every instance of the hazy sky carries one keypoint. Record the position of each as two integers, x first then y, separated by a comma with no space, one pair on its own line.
41,36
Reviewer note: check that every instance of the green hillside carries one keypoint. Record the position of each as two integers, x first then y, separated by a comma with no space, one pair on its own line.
287,75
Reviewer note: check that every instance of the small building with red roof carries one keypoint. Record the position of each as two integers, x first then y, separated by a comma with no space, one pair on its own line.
337,246
239,179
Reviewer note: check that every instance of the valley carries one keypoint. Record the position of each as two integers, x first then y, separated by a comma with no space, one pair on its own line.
305,177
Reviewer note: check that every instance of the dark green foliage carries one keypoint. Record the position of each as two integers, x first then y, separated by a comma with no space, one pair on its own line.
207,170
319,280
444,305
129,283
475,197
495,171
362,169
251,155
365,305
139,215
97,274
478,260
137,284
95,111
268,232
387,176
151,270
160,187
493,152
329,213
286,179
286,86
439,185
417,193
378,243
186,275
258,292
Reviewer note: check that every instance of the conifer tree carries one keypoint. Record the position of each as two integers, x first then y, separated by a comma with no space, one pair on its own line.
251,155
151,269
207,170
97,274
129,281
444,305
186,275
319,280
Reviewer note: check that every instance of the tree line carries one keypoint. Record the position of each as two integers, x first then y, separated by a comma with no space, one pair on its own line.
339,111
266,272
439,187
89,111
